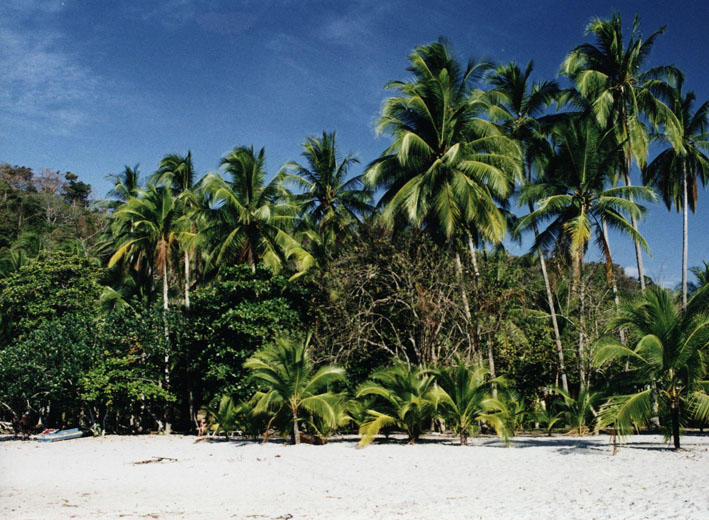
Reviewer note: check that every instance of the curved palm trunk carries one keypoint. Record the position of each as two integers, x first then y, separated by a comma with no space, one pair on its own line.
552,310
685,237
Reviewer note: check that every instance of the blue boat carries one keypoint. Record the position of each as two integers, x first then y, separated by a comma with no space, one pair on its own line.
60,435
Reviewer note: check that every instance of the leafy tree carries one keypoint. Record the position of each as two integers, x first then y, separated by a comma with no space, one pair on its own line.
675,172
44,368
406,399
232,318
668,362
292,384
56,284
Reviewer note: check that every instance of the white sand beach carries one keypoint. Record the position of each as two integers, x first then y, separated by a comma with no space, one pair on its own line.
536,478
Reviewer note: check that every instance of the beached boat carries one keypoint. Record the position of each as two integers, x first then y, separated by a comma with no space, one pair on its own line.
59,435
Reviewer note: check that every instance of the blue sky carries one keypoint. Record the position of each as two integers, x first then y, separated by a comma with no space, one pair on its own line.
92,86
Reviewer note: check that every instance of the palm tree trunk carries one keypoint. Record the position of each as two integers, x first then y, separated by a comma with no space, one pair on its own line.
685,236
675,422
611,275
552,310
633,220
187,280
582,325
168,425
466,305
473,257
296,430
491,364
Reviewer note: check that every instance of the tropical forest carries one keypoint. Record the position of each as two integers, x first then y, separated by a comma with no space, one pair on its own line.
345,295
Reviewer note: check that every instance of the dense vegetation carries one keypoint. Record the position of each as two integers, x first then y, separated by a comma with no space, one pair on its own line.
306,304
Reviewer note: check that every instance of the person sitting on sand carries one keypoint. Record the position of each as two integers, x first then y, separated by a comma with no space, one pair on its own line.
203,427
28,422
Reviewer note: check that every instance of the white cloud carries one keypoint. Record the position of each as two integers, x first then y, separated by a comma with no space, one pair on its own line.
631,270
42,86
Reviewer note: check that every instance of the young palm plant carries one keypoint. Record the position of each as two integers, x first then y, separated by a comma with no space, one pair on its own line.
464,396
292,385
406,399
669,363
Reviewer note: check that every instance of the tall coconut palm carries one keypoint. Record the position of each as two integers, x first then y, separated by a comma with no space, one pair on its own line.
125,185
518,105
448,168
669,361
334,200
676,171
147,231
572,194
291,384
447,165
177,173
610,74
250,221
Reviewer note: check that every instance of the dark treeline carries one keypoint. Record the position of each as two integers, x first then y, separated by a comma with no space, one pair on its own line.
185,294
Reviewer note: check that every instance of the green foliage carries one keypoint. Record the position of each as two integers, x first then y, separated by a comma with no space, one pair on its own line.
56,284
405,398
231,319
45,368
225,417
579,413
464,397
669,363
290,384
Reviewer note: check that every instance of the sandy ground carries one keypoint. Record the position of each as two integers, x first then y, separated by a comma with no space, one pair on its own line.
537,478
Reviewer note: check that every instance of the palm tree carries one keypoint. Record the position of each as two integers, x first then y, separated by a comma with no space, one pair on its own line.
448,168
572,194
517,106
447,165
702,275
675,171
610,75
146,229
669,362
125,185
177,173
405,398
249,221
465,398
292,384
334,202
